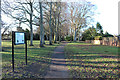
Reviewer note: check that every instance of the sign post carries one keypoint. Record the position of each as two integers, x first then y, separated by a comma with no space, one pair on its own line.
13,36
17,39
26,48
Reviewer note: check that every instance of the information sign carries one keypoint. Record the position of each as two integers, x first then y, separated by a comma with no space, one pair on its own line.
19,38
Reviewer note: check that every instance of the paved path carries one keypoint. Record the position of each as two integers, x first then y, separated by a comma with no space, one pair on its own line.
58,68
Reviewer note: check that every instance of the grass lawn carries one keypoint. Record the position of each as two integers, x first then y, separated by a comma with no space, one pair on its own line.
38,60
92,61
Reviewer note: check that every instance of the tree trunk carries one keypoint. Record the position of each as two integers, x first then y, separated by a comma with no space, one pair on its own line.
55,36
71,35
60,36
75,34
50,36
79,37
31,29
43,36
41,26
46,36
0,29
59,33
59,25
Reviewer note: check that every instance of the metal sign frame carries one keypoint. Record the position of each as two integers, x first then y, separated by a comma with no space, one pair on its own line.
15,38
13,43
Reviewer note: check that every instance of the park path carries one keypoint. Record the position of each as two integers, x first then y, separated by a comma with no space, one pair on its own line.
58,68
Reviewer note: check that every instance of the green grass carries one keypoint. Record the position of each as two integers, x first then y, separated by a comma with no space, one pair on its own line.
38,60
92,61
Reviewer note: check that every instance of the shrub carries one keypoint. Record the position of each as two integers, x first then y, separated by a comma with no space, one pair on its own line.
98,37
69,38
36,37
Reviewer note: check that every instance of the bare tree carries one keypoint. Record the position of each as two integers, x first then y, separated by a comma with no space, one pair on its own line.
31,29
6,27
22,12
52,18
55,21
50,36
41,26
81,15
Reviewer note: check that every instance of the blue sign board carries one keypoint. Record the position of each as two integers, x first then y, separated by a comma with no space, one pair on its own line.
19,38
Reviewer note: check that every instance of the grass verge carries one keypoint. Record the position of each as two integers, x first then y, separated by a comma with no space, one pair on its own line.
38,60
92,61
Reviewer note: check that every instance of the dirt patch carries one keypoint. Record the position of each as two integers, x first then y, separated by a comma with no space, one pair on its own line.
32,70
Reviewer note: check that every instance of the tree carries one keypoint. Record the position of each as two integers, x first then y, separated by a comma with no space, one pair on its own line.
55,22
5,27
59,30
41,26
89,34
50,26
21,12
30,22
56,11
99,29
81,16
0,28
53,19
63,21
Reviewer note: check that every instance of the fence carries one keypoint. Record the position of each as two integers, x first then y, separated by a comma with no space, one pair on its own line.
110,41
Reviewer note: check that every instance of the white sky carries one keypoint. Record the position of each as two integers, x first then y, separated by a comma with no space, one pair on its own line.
108,15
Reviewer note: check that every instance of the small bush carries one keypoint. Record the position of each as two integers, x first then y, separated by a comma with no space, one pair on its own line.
36,37
98,37
69,38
